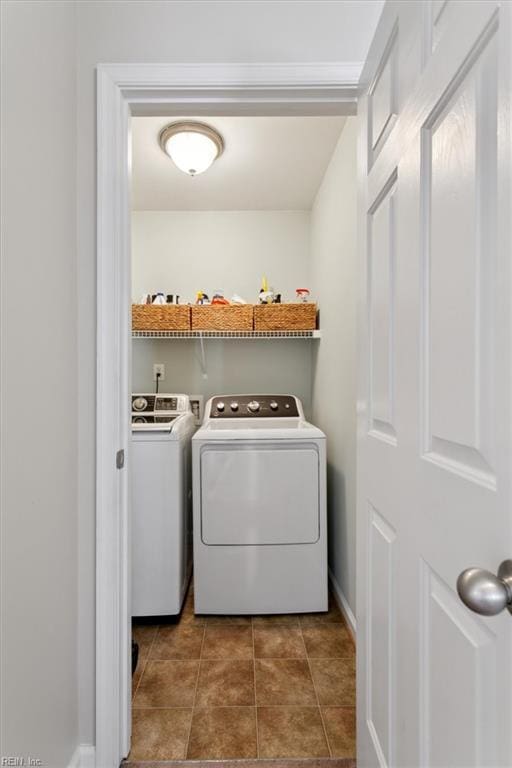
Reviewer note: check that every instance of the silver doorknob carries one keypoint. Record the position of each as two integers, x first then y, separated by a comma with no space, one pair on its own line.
484,592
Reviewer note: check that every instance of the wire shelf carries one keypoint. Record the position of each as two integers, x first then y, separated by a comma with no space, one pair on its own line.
226,334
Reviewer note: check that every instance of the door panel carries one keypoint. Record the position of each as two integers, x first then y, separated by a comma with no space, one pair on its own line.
459,189
383,96
440,19
458,688
381,275
381,635
259,495
434,498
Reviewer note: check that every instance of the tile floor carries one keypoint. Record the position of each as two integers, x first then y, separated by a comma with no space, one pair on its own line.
218,688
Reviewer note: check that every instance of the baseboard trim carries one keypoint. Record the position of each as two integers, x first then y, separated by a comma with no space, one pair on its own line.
75,759
83,757
87,756
343,604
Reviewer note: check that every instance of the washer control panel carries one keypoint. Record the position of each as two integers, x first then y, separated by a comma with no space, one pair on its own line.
158,411
254,406
145,403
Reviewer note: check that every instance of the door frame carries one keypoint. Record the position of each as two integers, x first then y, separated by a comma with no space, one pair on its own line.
124,90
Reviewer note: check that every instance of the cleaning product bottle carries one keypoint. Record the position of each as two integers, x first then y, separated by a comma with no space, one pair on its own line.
263,297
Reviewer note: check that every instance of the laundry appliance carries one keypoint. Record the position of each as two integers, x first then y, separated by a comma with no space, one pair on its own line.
162,427
259,499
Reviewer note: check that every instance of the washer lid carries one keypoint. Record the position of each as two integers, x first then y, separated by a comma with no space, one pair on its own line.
173,426
264,429
150,423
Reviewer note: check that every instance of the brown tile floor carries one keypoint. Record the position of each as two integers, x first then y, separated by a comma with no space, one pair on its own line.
229,687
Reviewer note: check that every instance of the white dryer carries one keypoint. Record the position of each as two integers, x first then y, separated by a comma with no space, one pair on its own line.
162,427
259,499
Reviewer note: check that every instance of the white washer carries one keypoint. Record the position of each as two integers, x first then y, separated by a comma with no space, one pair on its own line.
162,426
259,490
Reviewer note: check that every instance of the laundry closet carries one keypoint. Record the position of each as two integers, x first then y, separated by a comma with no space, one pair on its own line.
267,231
247,217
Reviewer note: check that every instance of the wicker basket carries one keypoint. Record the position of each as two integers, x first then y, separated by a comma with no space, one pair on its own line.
222,317
285,317
160,317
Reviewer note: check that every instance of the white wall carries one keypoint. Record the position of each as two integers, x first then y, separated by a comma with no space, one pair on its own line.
226,30
39,404
183,251
334,263
186,251
233,367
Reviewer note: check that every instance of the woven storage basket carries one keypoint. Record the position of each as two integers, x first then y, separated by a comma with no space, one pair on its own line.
285,317
160,317
222,317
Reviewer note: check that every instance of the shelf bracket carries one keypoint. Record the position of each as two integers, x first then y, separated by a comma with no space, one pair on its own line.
204,370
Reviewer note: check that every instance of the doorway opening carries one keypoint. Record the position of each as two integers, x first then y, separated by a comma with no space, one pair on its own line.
290,648
247,685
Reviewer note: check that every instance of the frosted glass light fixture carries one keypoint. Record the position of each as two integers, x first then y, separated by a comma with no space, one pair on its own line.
191,146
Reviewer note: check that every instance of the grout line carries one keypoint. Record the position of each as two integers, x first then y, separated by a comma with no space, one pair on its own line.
195,693
139,708
252,706
259,658
144,665
305,622
316,696
255,699
272,658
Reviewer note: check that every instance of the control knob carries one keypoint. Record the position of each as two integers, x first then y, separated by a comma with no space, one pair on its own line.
220,406
253,406
234,406
140,403
273,405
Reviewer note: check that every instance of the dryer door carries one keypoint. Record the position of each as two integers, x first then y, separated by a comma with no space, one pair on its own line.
260,493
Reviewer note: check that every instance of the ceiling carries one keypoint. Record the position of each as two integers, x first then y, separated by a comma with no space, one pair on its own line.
269,163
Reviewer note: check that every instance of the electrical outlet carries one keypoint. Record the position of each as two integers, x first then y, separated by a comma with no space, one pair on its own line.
158,368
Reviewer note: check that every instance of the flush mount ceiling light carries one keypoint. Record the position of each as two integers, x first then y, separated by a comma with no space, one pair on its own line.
191,146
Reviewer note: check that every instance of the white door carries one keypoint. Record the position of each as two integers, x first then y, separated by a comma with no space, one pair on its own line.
435,678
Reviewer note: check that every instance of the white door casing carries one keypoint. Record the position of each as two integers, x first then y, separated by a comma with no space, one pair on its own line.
167,89
434,399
